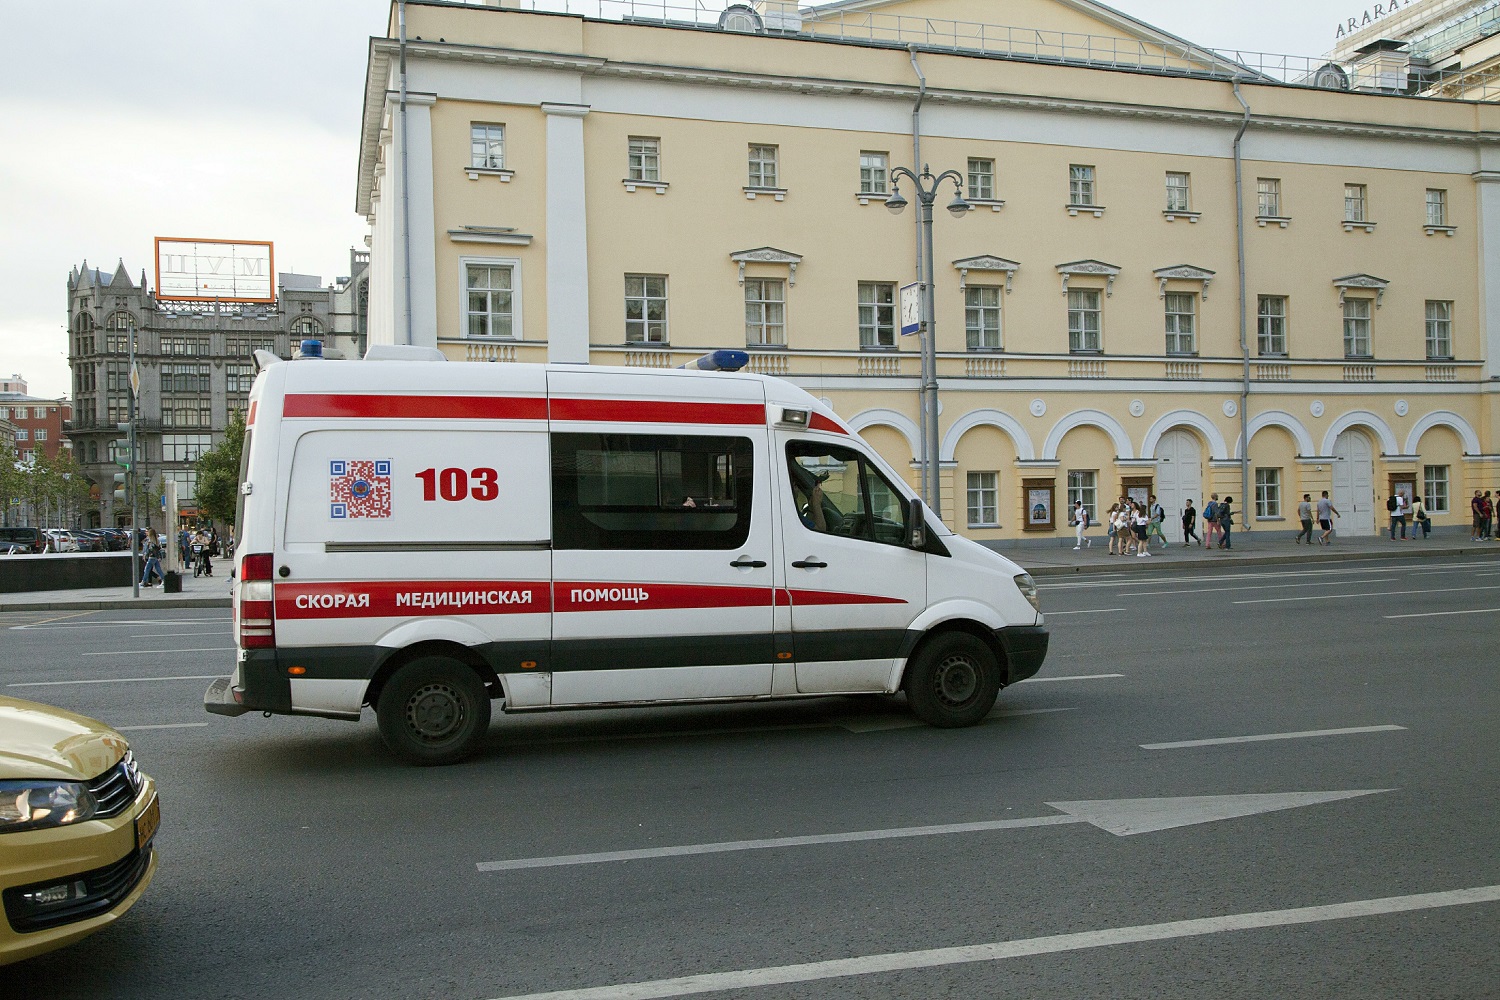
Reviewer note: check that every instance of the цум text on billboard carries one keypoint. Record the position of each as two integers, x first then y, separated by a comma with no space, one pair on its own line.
223,270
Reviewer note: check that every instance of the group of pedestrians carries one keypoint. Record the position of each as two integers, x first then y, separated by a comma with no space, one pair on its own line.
196,548
1132,525
1483,508
1326,512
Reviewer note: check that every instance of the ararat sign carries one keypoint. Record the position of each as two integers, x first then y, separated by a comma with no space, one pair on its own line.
222,270
1371,15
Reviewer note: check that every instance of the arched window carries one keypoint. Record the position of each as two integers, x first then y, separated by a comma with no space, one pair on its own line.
119,321
83,323
306,326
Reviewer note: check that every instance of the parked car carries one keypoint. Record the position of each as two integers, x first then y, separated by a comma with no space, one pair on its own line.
62,541
77,818
92,540
22,541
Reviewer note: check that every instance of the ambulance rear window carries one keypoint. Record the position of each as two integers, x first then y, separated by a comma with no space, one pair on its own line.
647,491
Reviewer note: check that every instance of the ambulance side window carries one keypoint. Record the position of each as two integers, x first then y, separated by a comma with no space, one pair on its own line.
853,498
648,491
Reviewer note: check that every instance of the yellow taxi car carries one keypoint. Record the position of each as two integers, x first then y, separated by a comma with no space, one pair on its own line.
76,821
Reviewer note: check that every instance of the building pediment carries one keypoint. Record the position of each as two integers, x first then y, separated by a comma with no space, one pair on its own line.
1363,282
1090,268
1184,272
988,263
767,255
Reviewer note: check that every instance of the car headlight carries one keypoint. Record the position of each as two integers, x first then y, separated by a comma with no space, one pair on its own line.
36,805
1027,586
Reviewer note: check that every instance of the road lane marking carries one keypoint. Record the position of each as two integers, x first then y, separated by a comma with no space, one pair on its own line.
1224,740
1115,579
124,623
58,618
1377,593
1076,677
114,680
177,635
865,965
1435,614
1121,817
165,725
143,652
1260,586
1090,611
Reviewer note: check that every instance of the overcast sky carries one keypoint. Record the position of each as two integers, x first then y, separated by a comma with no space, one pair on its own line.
240,120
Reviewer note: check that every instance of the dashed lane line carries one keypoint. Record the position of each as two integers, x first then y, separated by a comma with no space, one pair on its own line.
1266,737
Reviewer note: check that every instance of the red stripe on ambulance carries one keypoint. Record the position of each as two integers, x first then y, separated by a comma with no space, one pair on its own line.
393,600
307,404
654,411
591,596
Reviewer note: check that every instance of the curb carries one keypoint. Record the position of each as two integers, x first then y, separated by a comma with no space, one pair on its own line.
1213,563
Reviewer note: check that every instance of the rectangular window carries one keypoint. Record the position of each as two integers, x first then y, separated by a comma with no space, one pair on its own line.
984,495
1085,319
1182,327
1267,492
1437,207
487,146
117,342
645,309
1435,488
1083,484
1355,205
874,172
1270,325
4,413
1268,197
117,409
41,434
1177,192
117,376
877,314
187,483
765,312
1356,328
489,300
1439,329
186,412
650,491
644,159
184,447
982,316
185,378
238,378
1080,184
184,346
981,180
22,434
763,166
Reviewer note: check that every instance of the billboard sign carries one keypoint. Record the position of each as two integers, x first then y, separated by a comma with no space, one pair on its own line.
223,270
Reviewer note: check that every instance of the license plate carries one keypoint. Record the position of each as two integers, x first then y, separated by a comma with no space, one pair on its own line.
147,822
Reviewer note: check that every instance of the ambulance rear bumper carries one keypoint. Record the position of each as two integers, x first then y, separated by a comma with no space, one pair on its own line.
223,699
262,688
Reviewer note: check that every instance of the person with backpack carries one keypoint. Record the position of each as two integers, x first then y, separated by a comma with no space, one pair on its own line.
1395,505
153,552
1080,522
1225,523
1419,518
1158,515
1210,520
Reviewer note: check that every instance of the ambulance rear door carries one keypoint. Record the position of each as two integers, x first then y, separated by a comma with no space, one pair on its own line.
664,552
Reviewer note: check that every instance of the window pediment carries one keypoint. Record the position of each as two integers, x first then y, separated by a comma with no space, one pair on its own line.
767,255
1361,281
985,262
1090,268
1184,272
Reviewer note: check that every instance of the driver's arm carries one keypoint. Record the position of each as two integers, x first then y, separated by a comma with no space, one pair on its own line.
815,508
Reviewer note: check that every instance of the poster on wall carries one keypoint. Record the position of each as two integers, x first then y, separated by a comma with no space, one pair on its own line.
1138,494
1039,508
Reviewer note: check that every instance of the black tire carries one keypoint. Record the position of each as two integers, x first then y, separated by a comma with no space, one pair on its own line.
433,711
952,681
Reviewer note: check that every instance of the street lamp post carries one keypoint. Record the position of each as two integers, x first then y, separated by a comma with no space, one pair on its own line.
926,185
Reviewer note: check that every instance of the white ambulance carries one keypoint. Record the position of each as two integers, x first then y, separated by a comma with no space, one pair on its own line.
423,537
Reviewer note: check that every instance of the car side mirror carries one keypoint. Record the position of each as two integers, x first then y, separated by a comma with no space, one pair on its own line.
916,525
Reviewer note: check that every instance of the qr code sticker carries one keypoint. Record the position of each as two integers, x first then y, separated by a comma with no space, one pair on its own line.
359,488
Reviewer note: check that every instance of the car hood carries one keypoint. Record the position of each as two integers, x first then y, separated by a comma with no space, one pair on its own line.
39,741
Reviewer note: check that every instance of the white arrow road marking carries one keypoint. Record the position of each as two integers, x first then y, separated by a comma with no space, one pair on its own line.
1269,736
866,965
1122,817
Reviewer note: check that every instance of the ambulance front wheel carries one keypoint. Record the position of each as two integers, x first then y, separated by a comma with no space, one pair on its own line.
952,681
433,711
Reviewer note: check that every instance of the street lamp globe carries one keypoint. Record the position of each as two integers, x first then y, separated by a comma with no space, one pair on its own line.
895,202
958,208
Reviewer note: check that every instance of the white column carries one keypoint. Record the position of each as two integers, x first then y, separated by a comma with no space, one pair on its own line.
1487,219
567,236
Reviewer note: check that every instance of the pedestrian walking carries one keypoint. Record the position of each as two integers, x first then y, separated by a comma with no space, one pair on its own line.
1488,512
1158,515
1123,529
1140,521
1305,514
1395,505
153,553
1109,527
1226,523
1326,513
1476,509
1190,524
1080,522
1210,520
1419,519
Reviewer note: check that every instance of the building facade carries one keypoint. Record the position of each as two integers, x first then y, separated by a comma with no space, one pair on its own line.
195,363
34,424
1174,273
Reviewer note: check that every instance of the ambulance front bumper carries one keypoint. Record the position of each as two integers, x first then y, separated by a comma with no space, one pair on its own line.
1025,648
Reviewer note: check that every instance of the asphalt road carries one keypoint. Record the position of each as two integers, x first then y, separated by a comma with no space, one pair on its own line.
298,860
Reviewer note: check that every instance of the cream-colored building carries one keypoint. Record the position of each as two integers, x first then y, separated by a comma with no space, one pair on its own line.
1166,253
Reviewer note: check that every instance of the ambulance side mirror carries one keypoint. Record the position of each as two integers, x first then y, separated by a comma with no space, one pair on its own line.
916,525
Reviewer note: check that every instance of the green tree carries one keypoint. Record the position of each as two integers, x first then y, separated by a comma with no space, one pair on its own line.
12,483
219,473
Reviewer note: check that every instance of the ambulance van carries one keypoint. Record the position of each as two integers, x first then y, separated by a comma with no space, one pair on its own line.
426,537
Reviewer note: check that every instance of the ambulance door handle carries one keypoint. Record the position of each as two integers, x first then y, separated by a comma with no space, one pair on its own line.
810,564
745,562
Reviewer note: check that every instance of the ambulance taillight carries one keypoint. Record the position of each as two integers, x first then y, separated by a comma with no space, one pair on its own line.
257,605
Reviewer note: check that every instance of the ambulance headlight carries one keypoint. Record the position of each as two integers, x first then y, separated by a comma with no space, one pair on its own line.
1027,586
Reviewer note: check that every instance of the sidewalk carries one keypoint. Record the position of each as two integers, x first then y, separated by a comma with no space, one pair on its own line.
1250,549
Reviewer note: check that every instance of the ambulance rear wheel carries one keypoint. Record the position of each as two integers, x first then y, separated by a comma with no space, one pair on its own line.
952,681
433,711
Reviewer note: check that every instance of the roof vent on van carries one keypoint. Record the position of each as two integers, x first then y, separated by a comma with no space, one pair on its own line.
403,352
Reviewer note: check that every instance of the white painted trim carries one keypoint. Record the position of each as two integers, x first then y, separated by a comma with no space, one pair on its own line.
1443,418
889,418
1284,420
1190,418
567,267
1025,451
1089,418
1366,419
